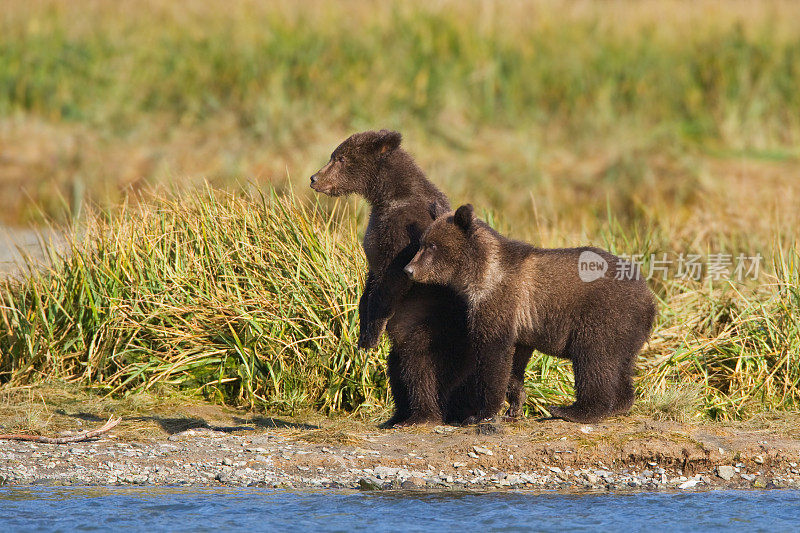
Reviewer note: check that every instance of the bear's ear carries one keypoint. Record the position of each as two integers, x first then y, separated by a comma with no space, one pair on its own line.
387,141
465,217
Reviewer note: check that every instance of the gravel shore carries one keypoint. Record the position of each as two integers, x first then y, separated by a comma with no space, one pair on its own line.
551,456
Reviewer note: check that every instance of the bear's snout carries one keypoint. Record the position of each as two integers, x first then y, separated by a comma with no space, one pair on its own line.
319,185
409,270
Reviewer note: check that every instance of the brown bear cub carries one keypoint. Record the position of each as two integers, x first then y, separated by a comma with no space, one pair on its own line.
425,324
583,304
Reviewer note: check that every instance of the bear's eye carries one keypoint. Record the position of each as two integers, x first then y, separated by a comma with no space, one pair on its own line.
432,247
340,159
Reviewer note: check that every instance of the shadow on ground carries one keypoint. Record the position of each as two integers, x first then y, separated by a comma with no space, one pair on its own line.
274,423
178,424
86,417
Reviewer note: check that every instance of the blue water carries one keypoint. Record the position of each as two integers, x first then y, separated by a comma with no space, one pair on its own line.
177,509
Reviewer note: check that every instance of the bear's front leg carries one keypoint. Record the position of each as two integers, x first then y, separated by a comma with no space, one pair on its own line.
363,307
383,297
370,331
493,372
372,314
516,395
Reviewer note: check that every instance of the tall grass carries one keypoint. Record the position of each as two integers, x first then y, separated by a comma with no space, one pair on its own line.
741,347
252,300
245,300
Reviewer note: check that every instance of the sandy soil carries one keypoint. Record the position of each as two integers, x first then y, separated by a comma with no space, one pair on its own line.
191,443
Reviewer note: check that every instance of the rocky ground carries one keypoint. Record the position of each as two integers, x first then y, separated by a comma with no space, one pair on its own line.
206,445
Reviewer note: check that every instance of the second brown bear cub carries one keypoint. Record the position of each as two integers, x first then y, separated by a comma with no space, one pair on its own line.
522,298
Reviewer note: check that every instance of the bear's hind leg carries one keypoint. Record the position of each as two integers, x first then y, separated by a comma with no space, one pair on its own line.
625,392
398,388
596,378
419,376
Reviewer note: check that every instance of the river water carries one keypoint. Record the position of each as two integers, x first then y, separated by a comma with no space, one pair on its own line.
16,243
255,509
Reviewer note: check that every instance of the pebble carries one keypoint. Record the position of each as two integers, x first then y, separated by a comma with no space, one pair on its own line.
726,472
591,478
382,472
689,483
482,450
489,428
414,483
369,484
224,476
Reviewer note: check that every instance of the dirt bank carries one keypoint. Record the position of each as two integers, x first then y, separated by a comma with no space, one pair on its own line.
199,444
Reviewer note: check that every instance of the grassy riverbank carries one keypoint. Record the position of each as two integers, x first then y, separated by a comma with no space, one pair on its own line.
645,128
251,300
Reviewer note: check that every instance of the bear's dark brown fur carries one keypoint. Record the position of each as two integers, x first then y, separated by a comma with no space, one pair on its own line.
524,298
425,324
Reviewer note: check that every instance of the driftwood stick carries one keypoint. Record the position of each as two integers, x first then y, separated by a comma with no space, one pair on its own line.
82,436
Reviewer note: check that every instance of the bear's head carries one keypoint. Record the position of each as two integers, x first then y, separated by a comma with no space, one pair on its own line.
355,163
445,249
